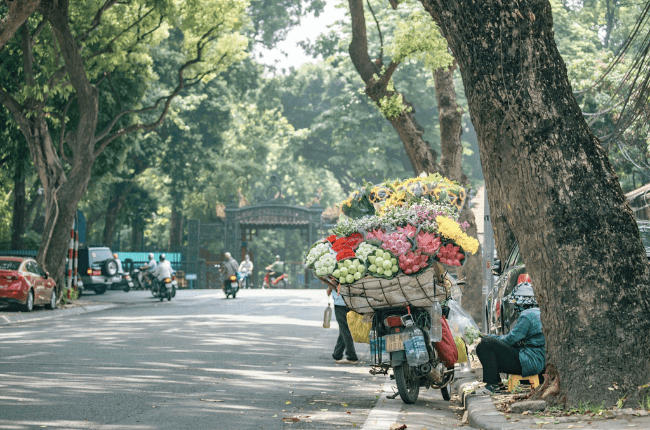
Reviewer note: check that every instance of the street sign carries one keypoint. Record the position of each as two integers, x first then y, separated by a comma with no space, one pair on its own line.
190,276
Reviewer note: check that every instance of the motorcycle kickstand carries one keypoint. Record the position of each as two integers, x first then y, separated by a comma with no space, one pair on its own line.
393,396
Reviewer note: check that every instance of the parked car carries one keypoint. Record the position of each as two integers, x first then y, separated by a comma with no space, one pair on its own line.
23,282
97,269
501,316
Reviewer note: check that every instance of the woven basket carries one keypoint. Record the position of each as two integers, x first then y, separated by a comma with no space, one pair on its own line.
368,294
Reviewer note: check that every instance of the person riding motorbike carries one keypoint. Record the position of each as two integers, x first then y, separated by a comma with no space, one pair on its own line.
229,267
274,270
147,269
163,270
246,269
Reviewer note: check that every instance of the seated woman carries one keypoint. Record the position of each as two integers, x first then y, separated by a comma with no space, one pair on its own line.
520,352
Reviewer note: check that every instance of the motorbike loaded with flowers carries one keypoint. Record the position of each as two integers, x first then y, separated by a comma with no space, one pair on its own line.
389,260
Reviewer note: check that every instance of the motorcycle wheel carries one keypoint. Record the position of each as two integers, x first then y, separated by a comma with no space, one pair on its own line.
446,395
162,298
173,292
408,385
169,297
234,295
282,284
127,288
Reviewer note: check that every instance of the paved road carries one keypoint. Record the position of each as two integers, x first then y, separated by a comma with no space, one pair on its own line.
197,362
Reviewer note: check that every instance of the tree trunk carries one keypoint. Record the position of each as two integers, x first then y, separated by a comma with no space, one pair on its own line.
451,125
19,11
19,214
419,151
176,227
548,176
451,155
115,204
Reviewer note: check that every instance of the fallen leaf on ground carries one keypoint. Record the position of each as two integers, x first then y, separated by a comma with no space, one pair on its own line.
290,419
348,412
396,426
345,405
287,402
274,416
210,400
323,410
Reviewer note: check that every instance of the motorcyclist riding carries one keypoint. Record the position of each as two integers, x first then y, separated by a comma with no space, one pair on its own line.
230,267
246,269
276,269
149,268
163,270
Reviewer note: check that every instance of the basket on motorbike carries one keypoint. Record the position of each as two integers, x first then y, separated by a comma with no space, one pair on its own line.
368,294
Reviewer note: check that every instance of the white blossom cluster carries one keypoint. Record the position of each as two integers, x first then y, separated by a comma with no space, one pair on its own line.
364,250
325,265
315,253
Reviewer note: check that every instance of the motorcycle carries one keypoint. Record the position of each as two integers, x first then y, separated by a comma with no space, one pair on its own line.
390,328
165,288
276,280
126,282
231,286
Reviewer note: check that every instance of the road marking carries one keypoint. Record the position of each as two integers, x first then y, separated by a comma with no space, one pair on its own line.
16,357
383,414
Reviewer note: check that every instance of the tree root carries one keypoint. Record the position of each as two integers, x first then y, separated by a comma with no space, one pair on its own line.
550,387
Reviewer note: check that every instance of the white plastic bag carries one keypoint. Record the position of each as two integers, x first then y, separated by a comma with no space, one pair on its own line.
461,323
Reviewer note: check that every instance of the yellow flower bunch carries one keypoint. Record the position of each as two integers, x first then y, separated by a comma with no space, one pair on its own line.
348,201
451,230
396,199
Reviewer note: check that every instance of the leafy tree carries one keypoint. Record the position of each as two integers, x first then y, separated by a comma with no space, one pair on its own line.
551,184
67,53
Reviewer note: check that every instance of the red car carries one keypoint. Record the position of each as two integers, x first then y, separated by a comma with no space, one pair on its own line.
25,283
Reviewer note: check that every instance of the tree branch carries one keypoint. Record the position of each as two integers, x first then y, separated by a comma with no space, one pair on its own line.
37,32
87,95
109,45
19,11
104,138
97,20
27,56
381,39
359,45
62,118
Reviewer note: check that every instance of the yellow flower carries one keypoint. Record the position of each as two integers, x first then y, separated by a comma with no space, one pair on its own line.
451,230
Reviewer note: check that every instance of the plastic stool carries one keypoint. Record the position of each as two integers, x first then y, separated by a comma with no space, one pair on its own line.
513,381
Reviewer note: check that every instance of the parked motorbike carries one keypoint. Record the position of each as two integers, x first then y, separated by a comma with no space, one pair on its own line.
231,286
126,283
391,327
275,280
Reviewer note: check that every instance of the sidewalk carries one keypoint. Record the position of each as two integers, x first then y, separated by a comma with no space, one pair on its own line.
76,308
498,412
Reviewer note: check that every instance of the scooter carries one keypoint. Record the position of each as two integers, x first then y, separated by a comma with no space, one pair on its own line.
231,286
165,289
275,280
387,352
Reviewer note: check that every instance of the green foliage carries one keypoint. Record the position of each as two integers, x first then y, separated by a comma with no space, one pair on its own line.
393,106
418,37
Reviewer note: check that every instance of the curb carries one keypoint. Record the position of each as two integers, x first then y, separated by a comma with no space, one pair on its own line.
481,412
39,316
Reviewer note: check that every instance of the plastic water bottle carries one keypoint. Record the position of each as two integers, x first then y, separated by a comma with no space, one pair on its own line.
416,350
385,356
327,317
436,325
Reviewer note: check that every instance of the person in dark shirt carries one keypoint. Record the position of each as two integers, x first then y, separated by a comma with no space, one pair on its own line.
520,352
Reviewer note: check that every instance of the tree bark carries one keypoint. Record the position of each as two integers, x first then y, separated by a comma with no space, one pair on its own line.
176,226
19,11
451,155
551,181
420,153
19,214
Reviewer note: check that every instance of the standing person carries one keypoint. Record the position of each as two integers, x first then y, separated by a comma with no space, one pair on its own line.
246,268
344,343
230,267
520,352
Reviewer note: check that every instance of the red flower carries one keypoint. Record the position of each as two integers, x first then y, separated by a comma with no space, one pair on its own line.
345,253
331,239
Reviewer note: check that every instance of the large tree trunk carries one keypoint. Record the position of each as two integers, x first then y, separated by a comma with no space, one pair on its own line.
548,176
451,155
19,11
419,151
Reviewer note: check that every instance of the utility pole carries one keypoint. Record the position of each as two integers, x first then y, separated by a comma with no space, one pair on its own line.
488,258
